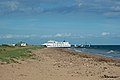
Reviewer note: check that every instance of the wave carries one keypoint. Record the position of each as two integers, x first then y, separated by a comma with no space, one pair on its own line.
108,53
111,51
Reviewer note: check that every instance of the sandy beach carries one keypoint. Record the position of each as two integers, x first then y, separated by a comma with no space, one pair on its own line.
61,64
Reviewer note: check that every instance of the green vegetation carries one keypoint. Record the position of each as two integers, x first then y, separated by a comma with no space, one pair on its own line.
8,54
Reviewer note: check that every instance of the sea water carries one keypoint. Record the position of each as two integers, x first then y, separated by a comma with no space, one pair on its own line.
103,50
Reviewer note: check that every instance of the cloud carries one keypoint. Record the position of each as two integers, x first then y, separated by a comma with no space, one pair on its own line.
116,8
63,35
112,14
8,36
105,33
23,7
107,8
46,36
11,5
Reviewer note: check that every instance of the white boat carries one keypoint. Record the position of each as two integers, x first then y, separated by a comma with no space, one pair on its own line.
52,43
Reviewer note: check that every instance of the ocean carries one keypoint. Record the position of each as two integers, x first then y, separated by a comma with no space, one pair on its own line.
112,51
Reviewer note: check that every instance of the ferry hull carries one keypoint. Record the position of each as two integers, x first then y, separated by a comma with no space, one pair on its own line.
56,44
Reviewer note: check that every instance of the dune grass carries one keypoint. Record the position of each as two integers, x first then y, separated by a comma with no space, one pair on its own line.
7,54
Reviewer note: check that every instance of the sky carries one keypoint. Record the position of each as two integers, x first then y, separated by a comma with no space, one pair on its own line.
76,21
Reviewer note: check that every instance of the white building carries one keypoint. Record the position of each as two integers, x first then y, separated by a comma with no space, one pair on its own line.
23,44
52,43
13,44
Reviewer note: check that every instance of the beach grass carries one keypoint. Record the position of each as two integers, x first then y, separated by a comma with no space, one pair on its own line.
8,54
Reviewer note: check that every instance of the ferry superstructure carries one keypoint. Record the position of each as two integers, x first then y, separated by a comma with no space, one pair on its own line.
55,44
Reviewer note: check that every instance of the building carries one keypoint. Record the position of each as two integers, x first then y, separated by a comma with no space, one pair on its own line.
22,44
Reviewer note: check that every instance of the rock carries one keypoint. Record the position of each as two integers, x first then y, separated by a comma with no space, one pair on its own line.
109,76
104,68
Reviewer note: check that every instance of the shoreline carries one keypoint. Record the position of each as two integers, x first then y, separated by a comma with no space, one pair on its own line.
90,53
61,64
96,57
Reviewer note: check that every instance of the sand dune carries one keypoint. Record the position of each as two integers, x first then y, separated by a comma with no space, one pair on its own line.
61,64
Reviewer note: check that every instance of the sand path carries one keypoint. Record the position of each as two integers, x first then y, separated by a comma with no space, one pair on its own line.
59,64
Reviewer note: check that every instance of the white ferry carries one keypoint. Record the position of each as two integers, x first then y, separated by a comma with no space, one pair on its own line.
52,43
